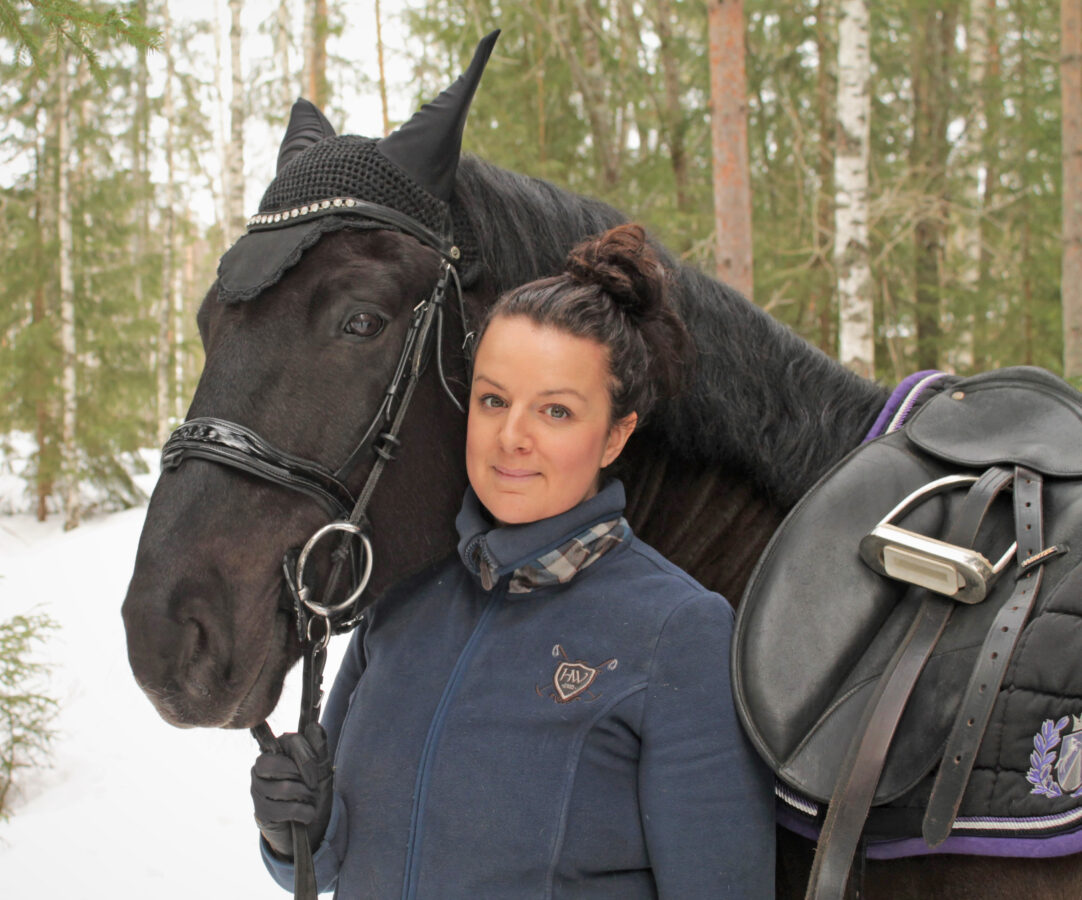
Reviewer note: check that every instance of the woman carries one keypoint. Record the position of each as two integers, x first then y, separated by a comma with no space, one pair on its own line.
548,714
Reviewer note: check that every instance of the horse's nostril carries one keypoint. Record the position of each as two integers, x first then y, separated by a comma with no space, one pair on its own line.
193,643
199,664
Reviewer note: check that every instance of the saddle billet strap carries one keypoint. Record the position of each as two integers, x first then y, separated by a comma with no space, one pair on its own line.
863,764
983,688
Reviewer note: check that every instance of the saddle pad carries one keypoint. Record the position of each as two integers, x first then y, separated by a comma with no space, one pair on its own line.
816,626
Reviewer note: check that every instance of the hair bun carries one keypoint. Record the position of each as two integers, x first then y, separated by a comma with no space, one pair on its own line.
622,264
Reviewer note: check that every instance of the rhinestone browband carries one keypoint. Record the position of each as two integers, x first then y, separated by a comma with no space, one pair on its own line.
351,205
297,211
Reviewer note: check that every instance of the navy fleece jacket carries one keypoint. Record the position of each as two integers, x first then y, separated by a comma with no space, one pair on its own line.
471,761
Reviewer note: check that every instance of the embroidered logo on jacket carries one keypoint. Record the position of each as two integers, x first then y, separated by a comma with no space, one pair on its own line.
1052,777
573,678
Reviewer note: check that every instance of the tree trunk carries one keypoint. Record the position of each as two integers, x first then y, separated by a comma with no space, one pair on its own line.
729,135
184,287
964,349
933,36
235,217
140,176
856,327
46,207
588,74
43,484
823,223
221,139
169,241
992,103
281,51
538,65
315,51
177,331
1071,99
68,385
672,115
382,72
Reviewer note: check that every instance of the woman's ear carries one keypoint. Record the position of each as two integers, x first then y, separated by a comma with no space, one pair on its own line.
618,435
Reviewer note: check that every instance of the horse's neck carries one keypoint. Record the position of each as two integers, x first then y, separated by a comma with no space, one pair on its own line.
767,414
711,522
764,404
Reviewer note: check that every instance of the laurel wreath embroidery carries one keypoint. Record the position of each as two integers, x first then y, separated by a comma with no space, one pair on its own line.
1043,758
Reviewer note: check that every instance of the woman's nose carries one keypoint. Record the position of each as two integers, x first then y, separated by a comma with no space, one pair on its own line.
514,432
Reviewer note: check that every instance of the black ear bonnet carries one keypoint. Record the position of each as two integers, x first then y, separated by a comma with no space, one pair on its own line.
326,182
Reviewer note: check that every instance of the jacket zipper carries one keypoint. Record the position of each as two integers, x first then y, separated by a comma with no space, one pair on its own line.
428,752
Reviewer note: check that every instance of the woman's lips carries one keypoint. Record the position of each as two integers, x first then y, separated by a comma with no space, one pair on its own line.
519,474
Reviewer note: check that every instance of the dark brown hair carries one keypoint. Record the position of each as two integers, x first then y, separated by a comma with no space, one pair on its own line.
613,290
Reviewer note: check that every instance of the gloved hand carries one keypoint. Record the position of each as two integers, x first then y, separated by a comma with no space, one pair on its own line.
294,785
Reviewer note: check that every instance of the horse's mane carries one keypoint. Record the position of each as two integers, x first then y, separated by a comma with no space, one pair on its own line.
520,228
761,401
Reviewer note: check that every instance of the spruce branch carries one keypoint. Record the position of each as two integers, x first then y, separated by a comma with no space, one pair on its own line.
30,24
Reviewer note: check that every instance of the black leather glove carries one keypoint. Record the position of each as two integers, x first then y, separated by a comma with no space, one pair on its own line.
294,785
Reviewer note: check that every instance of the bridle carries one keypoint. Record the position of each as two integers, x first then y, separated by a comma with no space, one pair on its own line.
230,444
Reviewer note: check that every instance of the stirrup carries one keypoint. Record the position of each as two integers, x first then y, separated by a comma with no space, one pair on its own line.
960,573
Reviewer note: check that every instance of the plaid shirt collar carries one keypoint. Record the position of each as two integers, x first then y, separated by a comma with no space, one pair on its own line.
566,561
550,551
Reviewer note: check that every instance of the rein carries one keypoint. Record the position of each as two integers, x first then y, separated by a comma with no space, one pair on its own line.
230,444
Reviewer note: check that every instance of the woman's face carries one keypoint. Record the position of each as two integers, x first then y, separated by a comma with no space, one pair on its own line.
539,431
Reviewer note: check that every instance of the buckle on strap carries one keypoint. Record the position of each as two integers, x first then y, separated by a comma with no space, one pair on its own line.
961,573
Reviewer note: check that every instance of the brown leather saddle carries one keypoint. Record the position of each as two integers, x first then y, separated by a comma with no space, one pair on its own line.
874,637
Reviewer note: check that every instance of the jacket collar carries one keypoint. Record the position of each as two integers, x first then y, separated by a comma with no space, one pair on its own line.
505,548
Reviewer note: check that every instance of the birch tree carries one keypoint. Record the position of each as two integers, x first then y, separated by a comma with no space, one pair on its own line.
382,72
281,52
729,131
856,343
68,447
169,240
139,142
235,215
1071,98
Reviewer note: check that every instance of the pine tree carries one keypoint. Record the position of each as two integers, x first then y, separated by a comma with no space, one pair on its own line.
728,113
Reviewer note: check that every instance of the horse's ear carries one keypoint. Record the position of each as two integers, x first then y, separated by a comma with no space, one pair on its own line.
427,147
307,125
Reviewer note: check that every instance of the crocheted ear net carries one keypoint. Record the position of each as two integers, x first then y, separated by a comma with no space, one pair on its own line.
353,166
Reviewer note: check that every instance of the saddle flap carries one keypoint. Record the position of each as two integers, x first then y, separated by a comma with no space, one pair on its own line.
817,626
1020,415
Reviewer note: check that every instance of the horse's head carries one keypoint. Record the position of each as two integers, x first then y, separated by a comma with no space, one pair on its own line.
303,331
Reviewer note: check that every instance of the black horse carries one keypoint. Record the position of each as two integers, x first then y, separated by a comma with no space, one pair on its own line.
305,365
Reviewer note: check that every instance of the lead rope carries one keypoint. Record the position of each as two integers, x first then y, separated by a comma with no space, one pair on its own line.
427,315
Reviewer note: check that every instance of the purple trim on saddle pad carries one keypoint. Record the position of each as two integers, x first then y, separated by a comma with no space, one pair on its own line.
1031,848
901,402
1015,845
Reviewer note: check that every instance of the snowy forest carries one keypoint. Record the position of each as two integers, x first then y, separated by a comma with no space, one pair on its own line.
899,182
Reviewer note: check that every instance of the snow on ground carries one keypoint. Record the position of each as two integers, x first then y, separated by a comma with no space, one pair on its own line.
131,807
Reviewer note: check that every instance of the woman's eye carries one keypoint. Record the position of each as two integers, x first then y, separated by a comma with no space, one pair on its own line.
491,401
365,325
559,412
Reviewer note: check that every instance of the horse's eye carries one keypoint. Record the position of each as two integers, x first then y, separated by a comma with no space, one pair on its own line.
365,325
